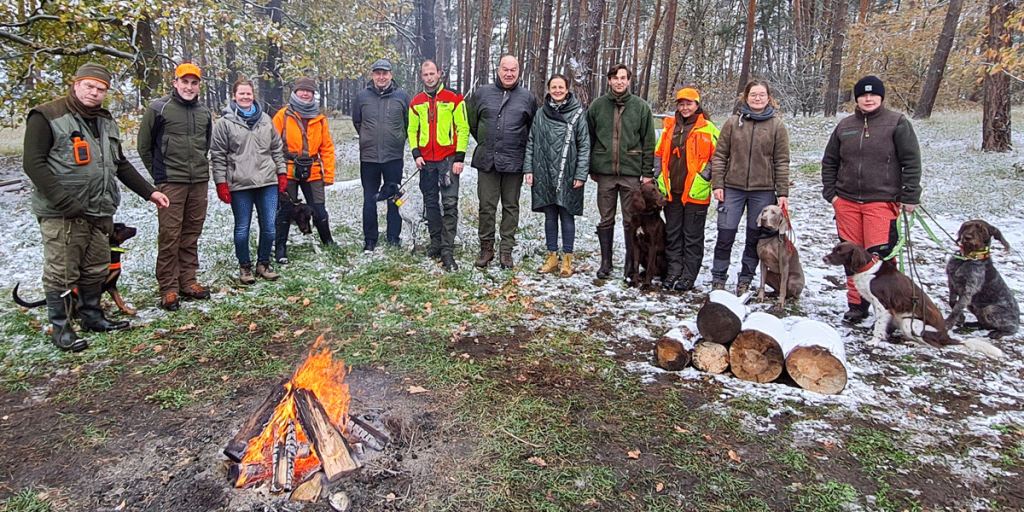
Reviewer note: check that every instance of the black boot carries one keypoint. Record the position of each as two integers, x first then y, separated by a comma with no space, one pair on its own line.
90,312
324,228
605,237
63,335
282,225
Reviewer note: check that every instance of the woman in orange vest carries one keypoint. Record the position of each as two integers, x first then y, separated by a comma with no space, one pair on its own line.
685,149
310,154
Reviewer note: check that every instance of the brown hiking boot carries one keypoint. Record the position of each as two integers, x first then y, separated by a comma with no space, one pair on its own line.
486,254
263,270
170,301
717,285
196,291
742,287
550,264
505,259
245,274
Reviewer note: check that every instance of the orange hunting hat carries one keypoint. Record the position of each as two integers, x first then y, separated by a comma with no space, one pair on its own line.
688,93
187,68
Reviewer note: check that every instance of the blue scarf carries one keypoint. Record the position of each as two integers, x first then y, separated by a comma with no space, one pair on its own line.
251,116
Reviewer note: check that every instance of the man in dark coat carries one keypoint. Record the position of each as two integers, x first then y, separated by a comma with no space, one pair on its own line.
73,154
500,115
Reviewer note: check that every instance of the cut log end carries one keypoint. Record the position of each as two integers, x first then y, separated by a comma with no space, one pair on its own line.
816,369
671,354
711,357
332,449
717,323
756,357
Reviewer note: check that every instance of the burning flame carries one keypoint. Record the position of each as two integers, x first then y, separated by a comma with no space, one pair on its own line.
326,379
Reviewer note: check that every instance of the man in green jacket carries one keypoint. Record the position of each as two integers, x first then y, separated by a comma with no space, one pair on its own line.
73,154
173,142
621,154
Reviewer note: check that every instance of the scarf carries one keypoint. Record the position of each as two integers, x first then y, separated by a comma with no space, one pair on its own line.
766,114
305,109
251,116
76,106
432,91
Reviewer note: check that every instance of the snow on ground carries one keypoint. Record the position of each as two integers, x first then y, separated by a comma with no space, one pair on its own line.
924,391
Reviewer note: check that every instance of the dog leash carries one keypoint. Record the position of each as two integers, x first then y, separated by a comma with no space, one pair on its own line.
915,277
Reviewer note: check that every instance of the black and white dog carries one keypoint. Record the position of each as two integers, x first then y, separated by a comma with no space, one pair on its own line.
975,284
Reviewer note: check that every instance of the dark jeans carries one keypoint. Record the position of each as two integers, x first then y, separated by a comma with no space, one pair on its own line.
553,216
684,239
370,174
441,205
492,187
242,202
181,223
730,212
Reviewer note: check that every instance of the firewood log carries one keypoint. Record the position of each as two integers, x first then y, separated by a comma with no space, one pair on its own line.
257,421
755,356
671,354
717,323
816,357
284,460
711,357
331,447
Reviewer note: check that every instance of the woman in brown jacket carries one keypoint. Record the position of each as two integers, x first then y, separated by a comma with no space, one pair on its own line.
750,170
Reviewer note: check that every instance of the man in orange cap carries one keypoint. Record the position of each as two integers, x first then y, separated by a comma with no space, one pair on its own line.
173,142
73,154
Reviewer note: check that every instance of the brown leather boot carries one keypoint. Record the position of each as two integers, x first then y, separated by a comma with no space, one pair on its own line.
505,259
486,254
550,264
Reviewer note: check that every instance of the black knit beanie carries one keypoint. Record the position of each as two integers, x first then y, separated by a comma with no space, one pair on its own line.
868,84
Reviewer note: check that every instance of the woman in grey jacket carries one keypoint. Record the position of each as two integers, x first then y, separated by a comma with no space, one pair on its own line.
556,166
249,170
750,170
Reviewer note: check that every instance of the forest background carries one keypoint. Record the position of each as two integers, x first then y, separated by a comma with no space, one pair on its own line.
930,53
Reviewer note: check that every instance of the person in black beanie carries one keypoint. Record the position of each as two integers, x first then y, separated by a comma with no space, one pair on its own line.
871,171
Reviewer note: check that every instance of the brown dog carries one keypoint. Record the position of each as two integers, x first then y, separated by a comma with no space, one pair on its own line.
647,230
780,262
975,284
897,300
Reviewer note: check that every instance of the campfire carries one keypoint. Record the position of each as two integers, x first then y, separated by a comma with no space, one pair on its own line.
303,428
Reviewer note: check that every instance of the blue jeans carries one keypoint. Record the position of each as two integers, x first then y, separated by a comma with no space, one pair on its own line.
242,201
554,216
370,174
730,211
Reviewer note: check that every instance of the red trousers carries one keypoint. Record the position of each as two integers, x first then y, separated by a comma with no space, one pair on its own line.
869,225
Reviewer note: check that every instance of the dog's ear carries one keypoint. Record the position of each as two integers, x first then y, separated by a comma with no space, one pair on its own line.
387,191
783,224
856,255
993,232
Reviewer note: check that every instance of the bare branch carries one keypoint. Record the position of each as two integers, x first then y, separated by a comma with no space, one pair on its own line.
85,50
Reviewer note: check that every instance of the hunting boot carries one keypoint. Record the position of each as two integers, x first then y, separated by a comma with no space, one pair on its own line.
324,228
550,264
91,313
856,314
566,270
605,237
505,259
63,334
486,254
264,270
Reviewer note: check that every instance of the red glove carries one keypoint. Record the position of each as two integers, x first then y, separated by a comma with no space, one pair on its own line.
223,193
282,183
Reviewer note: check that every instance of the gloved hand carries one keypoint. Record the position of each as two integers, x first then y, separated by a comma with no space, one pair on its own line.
282,183
223,193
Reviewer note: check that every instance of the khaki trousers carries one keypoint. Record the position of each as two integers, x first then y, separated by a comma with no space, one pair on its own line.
181,223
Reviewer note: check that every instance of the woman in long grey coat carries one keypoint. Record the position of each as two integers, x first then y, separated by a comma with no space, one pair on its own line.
556,167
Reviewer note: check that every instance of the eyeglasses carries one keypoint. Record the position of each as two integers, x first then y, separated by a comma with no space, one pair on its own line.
758,95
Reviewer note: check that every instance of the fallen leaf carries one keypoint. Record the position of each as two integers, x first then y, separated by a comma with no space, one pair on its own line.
390,496
410,332
659,487
734,457
298,333
549,305
305,302
252,326
538,461
633,454
681,430
337,307
158,348
292,300
416,389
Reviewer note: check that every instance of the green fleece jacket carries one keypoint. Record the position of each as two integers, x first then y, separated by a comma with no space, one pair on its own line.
621,136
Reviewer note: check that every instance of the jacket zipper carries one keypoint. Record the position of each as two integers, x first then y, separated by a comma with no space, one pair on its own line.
750,154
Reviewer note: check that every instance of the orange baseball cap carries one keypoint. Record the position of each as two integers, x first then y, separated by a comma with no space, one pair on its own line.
688,93
187,68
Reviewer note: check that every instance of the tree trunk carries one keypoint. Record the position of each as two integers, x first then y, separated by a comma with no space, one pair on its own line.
541,66
589,51
748,44
666,51
271,84
571,59
938,66
649,58
444,53
147,68
483,42
425,29
995,130
865,6
836,60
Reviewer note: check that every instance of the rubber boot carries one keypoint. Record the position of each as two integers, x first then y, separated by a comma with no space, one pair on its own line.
63,335
281,239
90,312
486,254
605,237
324,228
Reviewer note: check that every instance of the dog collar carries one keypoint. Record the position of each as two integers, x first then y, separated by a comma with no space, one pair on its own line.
983,254
117,249
874,259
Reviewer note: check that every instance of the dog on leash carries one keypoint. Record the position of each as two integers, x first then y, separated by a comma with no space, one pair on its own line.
647,230
897,300
120,234
411,210
975,284
780,262
301,214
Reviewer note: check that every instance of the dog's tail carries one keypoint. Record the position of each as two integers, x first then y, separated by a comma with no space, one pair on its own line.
22,302
983,347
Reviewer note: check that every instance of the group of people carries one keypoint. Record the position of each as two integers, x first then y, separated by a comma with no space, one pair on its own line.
73,155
